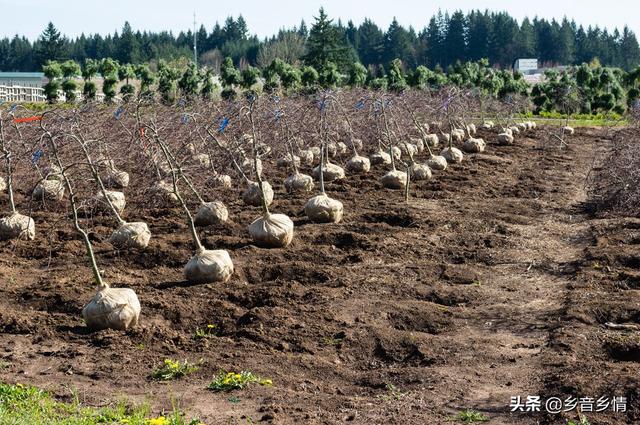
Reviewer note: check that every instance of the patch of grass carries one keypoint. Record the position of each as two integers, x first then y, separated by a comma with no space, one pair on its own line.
206,332
22,404
583,421
392,393
172,369
228,381
333,341
470,417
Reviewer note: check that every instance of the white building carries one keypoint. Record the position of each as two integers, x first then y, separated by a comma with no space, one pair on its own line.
22,87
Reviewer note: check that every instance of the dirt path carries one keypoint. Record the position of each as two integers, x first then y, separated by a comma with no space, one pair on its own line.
397,315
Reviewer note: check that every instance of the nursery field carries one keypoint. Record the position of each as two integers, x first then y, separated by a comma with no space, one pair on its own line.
493,281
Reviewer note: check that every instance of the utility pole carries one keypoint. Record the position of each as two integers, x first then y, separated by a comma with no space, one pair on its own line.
195,41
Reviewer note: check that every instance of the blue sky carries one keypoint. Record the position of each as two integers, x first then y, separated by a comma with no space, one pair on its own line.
265,17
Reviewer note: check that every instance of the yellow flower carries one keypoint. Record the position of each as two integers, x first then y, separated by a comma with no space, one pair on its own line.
160,420
211,326
266,382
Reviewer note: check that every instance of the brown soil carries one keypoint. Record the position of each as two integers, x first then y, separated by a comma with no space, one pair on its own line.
492,283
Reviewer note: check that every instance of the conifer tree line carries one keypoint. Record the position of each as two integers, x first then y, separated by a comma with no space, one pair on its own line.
444,40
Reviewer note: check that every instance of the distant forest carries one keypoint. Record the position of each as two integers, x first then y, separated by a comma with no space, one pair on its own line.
446,39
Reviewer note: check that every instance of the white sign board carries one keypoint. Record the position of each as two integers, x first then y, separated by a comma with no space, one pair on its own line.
524,65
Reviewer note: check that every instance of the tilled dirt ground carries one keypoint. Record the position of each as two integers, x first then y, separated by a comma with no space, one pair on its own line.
492,283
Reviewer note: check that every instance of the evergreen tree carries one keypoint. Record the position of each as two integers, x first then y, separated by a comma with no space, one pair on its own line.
455,44
51,45
370,43
126,73
323,44
89,70
629,49
434,42
189,84
109,71
128,48
70,70
53,72
395,77
397,43
357,75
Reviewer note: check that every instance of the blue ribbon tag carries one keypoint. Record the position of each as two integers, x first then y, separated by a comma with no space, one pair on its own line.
37,155
223,124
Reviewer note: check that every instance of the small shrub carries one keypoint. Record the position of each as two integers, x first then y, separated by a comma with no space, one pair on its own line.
470,417
172,369
228,381
206,332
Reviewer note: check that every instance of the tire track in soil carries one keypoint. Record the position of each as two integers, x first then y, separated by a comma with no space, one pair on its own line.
521,304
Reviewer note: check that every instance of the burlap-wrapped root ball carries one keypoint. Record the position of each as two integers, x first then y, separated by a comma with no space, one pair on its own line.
394,179
272,231
514,129
298,183
341,148
247,166
420,172
209,266
220,181
452,155
474,145
471,129
287,160
50,190
211,213
112,308
331,172
162,191
397,153
117,200
505,139
116,179
522,126
52,172
419,144
380,158
457,134
202,159
306,157
408,149
332,149
322,209
357,143
568,130
358,164
251,195
17,226
3,184
131,235
437,162
487,125
431,140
